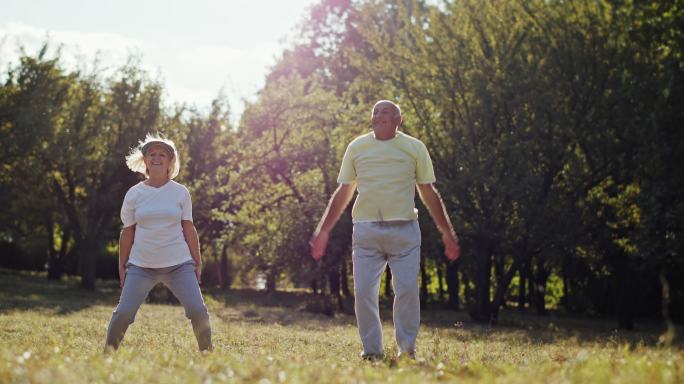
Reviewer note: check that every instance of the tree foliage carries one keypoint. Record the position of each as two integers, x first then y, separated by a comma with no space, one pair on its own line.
554,128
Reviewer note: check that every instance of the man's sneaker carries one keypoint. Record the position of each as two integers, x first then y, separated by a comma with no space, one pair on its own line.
372,356
407,354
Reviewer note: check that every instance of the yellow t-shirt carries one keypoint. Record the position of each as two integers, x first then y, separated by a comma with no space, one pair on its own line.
386,173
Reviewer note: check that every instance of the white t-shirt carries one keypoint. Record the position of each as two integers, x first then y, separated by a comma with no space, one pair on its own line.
157,213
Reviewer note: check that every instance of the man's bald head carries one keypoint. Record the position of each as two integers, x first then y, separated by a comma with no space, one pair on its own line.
390,103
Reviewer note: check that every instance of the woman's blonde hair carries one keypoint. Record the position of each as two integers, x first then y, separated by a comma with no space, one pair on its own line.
135,162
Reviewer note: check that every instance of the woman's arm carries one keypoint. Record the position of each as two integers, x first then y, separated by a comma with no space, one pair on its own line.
125,244
191,237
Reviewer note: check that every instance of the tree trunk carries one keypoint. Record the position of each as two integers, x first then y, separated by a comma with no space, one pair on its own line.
566,272
522,288
53,272
531,296
424,281
56,258
56,269
482,283
217,271
501,289
334,281
271,281
498,268
344,283
94,246
88,260
314,286
669,335
334,284
440,281
224,276
453,285
541,277
624,297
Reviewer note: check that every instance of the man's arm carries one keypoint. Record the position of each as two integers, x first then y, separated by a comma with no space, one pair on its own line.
428,193
338,202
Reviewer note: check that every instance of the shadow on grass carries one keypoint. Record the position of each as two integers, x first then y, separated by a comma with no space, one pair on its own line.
287,308
234,297
554,327
24,291
299,308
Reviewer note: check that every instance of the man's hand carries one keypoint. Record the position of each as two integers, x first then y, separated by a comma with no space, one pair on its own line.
122,275
435,205
451,248
338,201
319,242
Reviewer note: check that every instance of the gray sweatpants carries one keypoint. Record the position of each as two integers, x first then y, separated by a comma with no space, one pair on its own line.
181,280
375,244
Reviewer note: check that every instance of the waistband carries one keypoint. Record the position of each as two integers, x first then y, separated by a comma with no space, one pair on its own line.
386,223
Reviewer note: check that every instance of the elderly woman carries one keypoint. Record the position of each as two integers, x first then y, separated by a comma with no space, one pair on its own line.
159,242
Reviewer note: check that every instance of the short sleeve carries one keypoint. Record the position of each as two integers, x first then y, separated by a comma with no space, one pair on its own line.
347,170
425,174
128,209
186,205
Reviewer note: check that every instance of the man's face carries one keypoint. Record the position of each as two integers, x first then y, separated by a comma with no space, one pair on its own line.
385,117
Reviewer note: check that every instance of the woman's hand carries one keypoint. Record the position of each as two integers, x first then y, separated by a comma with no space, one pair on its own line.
122,275
125,244
198,272
190,234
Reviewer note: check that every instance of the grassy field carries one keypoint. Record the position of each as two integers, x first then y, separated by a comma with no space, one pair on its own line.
52,332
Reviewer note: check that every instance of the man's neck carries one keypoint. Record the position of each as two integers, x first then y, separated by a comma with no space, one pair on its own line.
385,135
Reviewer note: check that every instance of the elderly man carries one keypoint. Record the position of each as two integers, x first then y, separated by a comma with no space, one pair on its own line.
385,166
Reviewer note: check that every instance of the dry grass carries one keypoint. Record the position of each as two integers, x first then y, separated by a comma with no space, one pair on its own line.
54,332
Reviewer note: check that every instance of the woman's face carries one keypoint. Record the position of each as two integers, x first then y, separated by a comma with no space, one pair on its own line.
157,161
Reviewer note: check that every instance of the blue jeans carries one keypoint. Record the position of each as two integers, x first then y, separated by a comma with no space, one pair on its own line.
181,280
